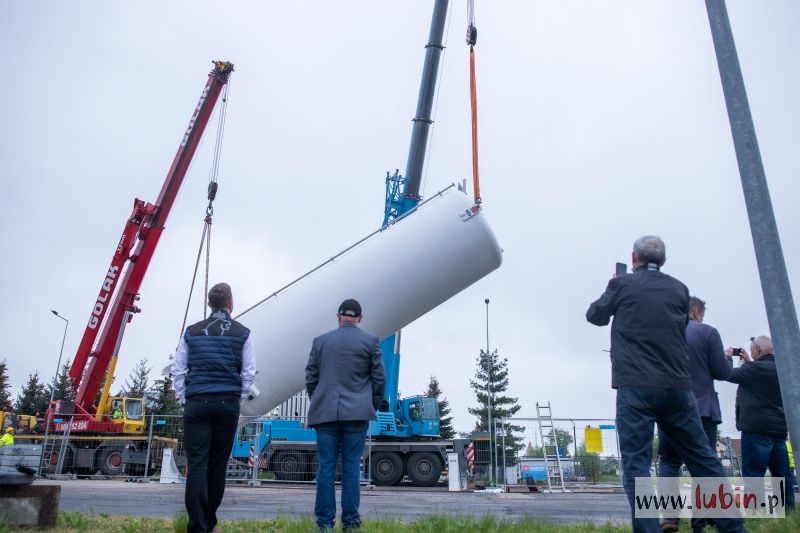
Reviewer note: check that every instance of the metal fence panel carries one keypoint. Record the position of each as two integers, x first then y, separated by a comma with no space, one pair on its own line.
588,449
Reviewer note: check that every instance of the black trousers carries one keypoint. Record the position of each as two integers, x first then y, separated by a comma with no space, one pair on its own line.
209,427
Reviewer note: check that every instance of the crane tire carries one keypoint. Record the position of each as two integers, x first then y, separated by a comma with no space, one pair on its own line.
424,468
386,468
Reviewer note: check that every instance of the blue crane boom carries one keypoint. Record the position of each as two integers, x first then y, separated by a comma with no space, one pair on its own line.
402,195
402,192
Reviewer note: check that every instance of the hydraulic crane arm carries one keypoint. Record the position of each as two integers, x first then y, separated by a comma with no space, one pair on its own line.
115,304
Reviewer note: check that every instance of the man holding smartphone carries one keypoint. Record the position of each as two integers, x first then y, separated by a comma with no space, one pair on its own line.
759,414
650,371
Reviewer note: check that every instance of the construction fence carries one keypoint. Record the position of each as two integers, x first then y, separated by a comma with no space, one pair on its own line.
588,452
69,451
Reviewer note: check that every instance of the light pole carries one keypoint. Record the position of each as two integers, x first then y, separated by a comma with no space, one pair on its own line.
53,389
58,366
489,398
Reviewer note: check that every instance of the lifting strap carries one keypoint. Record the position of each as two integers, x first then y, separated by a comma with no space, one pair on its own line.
472,38
205,238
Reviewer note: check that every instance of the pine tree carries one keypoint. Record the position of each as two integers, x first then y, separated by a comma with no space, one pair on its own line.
445,422
137,381
33,397
164,401
5,386
495,371
63,390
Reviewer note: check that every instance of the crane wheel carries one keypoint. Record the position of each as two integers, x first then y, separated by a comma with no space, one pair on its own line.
386,468
110,461
290,466
50,462
424,468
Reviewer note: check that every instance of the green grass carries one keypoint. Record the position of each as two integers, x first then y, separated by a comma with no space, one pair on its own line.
69,522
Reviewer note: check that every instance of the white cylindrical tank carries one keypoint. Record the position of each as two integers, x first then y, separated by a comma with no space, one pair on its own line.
397,274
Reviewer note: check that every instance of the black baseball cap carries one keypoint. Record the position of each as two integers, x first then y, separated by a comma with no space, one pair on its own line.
350,307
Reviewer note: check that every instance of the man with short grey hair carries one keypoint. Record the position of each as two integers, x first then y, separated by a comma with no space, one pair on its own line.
759,414
649,369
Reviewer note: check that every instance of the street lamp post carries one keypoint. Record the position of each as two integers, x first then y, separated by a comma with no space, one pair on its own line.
53,389
60,353
489,398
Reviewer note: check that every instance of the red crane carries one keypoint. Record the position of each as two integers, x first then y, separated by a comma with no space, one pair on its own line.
116,302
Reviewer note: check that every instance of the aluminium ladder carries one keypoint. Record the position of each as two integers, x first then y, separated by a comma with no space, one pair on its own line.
552,457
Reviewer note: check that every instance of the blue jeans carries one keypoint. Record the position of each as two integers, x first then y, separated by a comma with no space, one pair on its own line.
349,437
760,452
675,412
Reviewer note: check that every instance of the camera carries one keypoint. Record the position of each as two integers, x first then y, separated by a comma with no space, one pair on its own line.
737,352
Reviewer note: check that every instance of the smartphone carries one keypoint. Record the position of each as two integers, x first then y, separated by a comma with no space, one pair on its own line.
622,269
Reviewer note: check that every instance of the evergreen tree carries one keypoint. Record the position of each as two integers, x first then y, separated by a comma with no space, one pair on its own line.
446,430
164,402
136,383
33,397
491,369
63,389
5,386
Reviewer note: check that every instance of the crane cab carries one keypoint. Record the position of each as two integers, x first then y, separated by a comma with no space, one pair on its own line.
421,415
128,412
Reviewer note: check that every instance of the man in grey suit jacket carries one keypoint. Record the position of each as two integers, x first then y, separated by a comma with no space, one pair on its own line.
345,380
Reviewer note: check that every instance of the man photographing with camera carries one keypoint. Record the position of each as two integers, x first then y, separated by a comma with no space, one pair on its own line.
759,413
650,371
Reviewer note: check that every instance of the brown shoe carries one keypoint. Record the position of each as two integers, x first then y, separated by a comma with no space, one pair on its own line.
669,525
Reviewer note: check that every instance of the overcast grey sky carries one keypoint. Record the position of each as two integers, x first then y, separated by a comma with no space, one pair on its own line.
599,122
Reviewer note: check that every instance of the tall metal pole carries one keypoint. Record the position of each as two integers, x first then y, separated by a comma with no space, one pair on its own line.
781,314
60,353
503,429
489,398
53,390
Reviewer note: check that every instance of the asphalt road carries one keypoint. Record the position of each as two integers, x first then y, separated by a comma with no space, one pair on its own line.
153,499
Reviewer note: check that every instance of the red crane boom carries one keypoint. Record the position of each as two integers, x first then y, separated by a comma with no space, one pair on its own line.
116,302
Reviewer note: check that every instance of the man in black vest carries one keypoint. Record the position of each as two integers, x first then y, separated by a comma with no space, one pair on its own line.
212,372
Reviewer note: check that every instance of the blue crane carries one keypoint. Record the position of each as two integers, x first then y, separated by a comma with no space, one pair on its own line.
403,195
405,438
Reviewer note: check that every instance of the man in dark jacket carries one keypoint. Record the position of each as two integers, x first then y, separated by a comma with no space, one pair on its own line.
212,372
759,415
650,370
345,380
707,362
